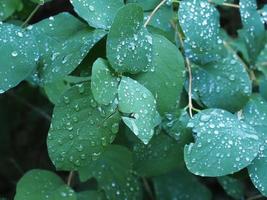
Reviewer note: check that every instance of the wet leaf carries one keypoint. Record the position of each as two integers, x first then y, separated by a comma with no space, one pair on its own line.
233,187
129,44
226,79
255,114
8,7
104,83
47,185
160,156
168,67
146,4
18,55
98,13
180,184
80,129
62,48
113,171
136,100
223,144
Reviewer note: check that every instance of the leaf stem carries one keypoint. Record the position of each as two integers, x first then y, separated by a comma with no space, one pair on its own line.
153,12
226,4
31,15
259,196
70,177
147,187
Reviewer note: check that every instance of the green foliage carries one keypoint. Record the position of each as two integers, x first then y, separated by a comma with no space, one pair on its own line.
141,99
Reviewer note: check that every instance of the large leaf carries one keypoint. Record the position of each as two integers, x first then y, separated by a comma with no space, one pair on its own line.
233,187
98,13
168,69
226,79
200,23
80,129
104,84
158,157
180,185
129,44
255,113
223,144
136,100
62,48
18,55
113,171
43,185
253,30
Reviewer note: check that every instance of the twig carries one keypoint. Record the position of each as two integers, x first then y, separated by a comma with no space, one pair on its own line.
259,196
148,188
70,177
188,66
153,12
226,4
31,15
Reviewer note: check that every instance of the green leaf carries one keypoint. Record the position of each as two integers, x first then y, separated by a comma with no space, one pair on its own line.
226,79
104,84
180,185
43,185
80,129
90,195
136,100
98,13
55,90
168,69
62,48
253,31
199,21
162,18
129,44
8,7
18,55
175,125
158,157
223,144
113,171
146,4
255,113
261,62
233,187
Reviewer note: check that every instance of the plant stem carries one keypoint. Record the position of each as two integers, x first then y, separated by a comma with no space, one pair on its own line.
70,177
31,15
259,196
148,188
226,4
153,12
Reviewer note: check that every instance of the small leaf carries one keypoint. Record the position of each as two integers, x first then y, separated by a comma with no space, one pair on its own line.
225,79
223,144
18,55
168,68
199,21
261,62
98,13
104,84
113,172
233,187
180,184
136,100
129,44
158,157
255,114
62,48
253,31
43,185
80,129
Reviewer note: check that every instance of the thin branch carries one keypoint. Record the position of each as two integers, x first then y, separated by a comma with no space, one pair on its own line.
226,4
31,15
70,177
153,12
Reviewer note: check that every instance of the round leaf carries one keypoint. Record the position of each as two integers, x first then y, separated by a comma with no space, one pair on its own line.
223,144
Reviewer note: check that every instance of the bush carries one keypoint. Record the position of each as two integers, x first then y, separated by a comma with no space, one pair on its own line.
141,99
